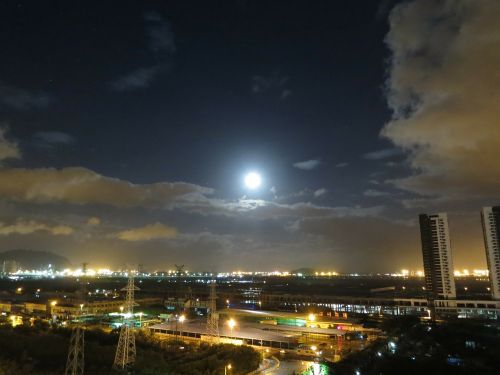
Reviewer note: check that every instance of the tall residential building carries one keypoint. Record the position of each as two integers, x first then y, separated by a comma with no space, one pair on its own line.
490,218
436,251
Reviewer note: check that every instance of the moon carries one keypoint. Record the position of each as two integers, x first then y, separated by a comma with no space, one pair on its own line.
253,180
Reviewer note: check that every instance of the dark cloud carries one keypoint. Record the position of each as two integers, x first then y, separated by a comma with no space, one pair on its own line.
20,99
161,37
368,242
49,139
382,154
138,79
375,193
274,83
162,44
8,149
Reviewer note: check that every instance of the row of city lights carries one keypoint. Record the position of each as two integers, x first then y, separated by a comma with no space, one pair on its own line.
106,272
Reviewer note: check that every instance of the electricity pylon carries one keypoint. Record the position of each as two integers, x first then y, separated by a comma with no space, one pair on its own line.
213,316
125,351
75,362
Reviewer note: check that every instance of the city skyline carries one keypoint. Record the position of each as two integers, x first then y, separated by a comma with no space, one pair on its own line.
128,133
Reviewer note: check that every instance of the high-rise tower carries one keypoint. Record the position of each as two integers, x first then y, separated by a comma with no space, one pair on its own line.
125,351
436,252
490,218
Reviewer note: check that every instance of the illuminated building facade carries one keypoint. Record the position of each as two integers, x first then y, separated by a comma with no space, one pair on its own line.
436,252
490,218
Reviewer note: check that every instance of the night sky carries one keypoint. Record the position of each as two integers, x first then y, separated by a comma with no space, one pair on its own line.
126,130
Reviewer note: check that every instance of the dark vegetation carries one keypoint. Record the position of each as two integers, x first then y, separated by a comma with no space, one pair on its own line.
452,347
42,350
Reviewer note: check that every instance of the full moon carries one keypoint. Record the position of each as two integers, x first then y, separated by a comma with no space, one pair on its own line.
253,180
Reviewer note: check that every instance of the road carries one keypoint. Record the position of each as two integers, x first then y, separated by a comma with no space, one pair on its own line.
288,368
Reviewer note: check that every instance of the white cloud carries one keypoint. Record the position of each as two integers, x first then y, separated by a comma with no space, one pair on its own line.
83,186
149,232
320,192
308,165
93,221
444,91
31,226
263,210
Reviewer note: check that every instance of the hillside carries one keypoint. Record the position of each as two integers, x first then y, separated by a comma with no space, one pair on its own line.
31,259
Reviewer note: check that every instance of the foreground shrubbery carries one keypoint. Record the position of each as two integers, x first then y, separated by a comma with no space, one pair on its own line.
426,348
42,351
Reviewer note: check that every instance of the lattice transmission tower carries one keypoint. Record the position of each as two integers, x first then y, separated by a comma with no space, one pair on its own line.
75,362
125,351
213,315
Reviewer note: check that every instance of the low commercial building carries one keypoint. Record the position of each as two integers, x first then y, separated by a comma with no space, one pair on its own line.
5,306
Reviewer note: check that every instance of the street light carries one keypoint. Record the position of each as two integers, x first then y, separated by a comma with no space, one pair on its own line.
52,305
140,319
312,317
227,367
231,323
182,318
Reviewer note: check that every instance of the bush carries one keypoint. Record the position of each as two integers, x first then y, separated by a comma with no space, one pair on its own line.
40,350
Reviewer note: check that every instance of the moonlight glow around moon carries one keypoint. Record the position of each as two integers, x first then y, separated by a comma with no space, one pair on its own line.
253,180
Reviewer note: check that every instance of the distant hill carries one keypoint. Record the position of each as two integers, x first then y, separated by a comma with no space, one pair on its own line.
31,259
